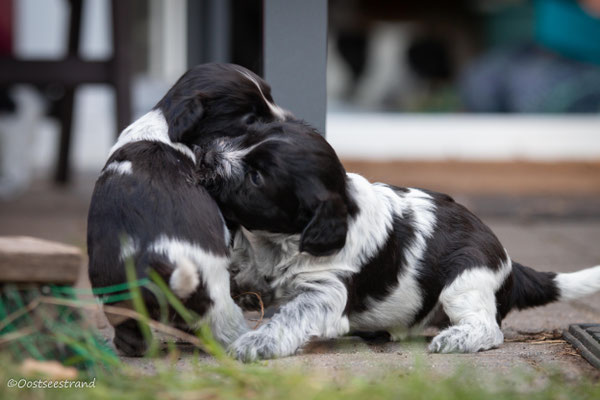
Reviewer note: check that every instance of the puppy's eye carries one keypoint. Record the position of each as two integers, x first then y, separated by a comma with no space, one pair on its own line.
249,119
255,178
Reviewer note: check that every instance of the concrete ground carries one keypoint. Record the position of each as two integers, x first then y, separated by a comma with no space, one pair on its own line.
548,228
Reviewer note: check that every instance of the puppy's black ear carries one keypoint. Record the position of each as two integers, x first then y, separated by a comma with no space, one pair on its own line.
183,116
326,232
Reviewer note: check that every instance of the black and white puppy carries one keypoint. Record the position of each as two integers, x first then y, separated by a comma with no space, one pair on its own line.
343,254
147,206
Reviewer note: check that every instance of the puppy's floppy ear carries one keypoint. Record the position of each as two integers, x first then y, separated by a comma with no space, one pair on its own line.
183,115
326,232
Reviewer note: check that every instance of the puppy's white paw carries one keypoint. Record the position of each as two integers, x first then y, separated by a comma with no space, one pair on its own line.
451,340
253,346
466,339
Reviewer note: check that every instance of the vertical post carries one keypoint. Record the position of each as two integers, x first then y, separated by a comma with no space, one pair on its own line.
121,62
208,31
218,30
66,104
295,56
168,33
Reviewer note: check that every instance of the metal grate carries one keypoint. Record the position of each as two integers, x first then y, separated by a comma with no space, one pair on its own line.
586,339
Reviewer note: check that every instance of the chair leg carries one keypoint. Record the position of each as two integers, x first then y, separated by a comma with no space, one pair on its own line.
65,105
65,115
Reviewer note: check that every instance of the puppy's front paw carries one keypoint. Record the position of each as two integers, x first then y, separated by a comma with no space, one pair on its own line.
466,339
451,340
253,346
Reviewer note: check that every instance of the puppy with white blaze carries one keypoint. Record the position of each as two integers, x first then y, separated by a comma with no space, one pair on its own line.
147,205
341,254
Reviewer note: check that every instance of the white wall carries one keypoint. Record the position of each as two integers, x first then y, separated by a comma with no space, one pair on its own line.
379,136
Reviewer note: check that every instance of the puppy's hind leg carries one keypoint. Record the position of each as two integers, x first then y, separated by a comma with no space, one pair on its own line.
129,339
470,303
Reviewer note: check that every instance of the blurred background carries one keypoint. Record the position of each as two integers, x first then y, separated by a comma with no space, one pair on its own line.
496,102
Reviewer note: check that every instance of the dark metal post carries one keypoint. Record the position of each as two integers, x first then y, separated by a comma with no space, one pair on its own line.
295,56
65,105
208,31
121,62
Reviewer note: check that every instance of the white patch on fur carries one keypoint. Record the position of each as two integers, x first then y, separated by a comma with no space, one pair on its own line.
184,280
230,163
226,233
470,303
153,127
119,167
225,317
395,312
277,111
369,230
577,284
129,248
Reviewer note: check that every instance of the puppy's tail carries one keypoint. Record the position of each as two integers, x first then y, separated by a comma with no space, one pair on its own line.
532,288
185,278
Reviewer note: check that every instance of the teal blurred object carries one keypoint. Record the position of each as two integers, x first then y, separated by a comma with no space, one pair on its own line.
566,28
509,25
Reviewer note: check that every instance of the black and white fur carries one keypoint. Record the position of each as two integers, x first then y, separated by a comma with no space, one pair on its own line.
147,206
343,254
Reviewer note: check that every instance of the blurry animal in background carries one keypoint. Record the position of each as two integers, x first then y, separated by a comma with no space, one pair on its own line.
398,56
343,254
147,206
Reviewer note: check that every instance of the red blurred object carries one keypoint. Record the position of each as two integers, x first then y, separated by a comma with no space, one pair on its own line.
6,27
